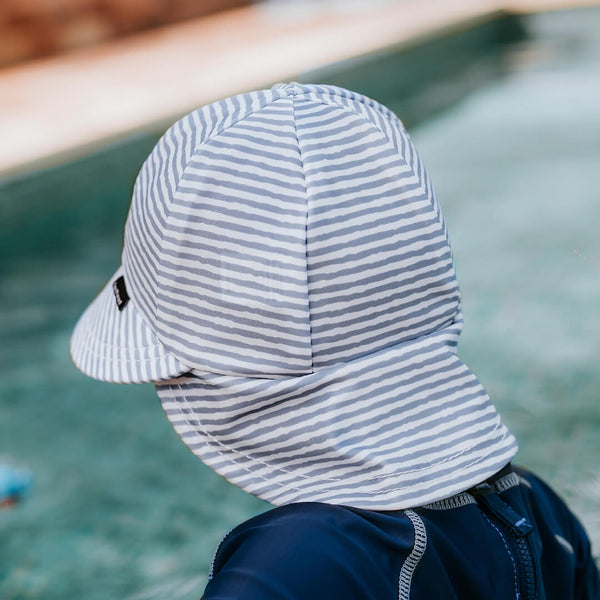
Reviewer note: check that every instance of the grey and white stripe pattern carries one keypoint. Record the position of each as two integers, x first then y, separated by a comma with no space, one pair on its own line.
291,279
119,346
401,427
122,346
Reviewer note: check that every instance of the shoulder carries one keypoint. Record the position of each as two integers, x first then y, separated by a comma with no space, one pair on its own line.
553,517
547,504
313,550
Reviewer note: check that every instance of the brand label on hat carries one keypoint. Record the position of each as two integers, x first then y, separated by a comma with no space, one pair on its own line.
121,295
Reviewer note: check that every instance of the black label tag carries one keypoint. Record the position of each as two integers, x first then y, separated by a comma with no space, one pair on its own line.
121,295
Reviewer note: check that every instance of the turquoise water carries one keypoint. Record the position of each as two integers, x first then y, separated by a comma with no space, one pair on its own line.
121,509
516,167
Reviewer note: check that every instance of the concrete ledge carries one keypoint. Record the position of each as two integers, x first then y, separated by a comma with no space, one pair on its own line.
54,109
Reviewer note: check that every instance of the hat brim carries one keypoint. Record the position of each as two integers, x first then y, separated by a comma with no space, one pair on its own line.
118,345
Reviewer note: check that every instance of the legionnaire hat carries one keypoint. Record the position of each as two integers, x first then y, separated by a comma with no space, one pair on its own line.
287,283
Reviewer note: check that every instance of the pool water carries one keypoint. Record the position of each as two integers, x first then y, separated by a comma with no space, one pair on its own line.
119,507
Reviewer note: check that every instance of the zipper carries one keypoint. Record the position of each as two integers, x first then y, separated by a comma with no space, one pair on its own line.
528,584
519,529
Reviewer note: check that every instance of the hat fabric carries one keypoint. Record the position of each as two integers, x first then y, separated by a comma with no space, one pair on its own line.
292,295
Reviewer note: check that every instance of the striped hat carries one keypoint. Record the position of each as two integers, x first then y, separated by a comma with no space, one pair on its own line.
287,283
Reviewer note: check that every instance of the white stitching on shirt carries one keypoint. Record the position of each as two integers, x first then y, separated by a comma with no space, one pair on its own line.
463,499
512,560
411,562
211,570
508,481
564,543
457,501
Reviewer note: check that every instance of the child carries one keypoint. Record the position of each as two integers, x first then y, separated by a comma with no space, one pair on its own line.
287,284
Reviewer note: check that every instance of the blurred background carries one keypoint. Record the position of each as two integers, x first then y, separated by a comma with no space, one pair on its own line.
33,28
98,496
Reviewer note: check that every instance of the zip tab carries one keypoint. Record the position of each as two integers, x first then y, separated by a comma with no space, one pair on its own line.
519,526
485,494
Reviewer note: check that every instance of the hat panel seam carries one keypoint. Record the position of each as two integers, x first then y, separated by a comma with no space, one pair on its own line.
193,151
337,93
172,138
423,187
337,100
305,230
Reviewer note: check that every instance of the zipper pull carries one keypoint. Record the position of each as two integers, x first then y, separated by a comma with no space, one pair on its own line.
485,494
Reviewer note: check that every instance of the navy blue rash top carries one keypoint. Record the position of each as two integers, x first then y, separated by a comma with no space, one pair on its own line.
460,551
313,551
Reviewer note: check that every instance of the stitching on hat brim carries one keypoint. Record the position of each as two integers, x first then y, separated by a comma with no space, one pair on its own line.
89,332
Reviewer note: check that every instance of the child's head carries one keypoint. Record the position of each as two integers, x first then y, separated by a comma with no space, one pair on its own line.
287,283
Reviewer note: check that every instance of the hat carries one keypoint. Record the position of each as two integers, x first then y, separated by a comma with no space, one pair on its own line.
287,283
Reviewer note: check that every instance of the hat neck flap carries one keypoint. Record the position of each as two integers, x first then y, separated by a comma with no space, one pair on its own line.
407,425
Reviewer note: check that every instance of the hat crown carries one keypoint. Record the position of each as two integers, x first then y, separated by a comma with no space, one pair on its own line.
281,232
292,296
